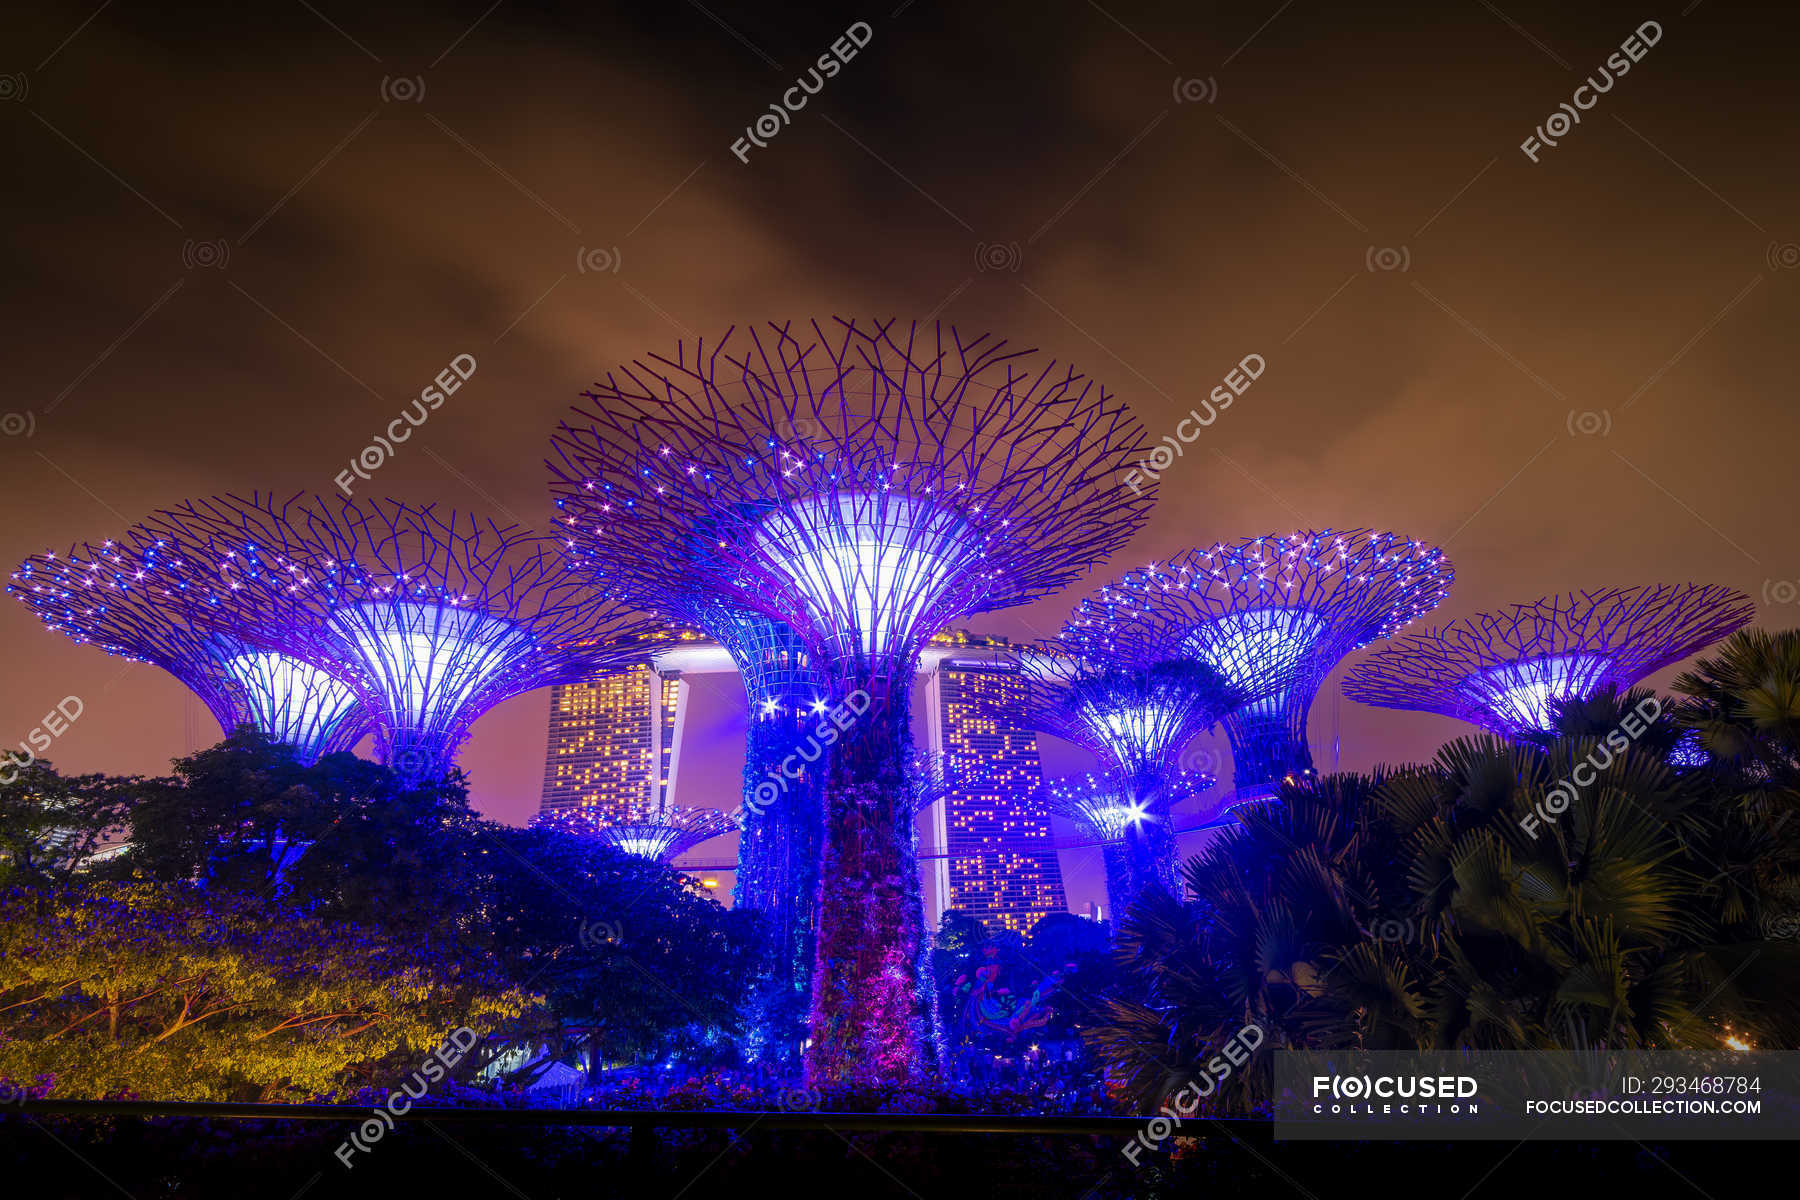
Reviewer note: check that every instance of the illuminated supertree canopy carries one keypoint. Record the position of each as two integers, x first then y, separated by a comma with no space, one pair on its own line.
431,618
125,598
661,832
1281,611
1509,671
1689,752
1101,806
1127,695
1133,714
866,485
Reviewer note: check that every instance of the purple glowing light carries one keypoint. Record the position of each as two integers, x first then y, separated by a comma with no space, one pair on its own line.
1527,694
1274,615
876,564
865,485
659,832
293,701
428,618
1507,671
128,597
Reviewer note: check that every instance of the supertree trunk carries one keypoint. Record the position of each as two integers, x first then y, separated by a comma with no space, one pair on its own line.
871,1013
1266,748
1150,858
778,876
1144,858
1120,887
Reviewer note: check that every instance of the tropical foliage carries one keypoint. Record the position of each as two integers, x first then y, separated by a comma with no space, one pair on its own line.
280,930
180,993
1486,900
633,961
52,827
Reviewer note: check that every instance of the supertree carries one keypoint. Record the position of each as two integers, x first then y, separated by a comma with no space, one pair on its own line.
780,821
1278,612
866,485
127,598
431,618
1689,752
1100,805
1509,671
1130,699
656,831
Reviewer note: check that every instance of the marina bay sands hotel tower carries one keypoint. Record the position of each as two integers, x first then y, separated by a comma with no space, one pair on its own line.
617,740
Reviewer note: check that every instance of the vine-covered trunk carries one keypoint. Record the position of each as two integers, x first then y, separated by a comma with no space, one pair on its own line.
1144,858
871,1014
1268,743
778,876
1119,889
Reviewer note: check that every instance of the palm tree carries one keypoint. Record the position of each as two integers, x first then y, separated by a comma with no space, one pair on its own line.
1546,926
1579,894
1745,703
1295,925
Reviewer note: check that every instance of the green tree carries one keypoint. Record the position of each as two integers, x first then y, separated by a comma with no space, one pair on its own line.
1743,702
54,827
174,992
633,959
1289,927
341,836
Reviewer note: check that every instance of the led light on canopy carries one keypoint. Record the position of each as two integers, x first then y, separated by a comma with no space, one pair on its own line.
130,598
1131,832
1528,693
291,700
867,485
876,563
1506,671
1111,691
1259,643
1283,610
429,661
1093,803
1133,713
429,618
659,832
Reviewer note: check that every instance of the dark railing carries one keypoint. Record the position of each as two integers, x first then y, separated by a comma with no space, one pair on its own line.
951,1123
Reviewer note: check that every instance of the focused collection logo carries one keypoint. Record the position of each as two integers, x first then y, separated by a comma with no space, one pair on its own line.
1394,1095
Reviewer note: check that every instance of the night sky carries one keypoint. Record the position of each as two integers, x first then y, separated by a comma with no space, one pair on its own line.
241,239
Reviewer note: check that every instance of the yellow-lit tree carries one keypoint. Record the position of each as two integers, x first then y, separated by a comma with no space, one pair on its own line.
172,992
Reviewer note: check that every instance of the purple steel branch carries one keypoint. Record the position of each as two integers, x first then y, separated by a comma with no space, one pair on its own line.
866,484
1506,671
863,483
1274,614
431,617
119,597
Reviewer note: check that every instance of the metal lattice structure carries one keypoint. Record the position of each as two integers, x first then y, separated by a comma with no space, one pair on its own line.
1275,614
127,599
1101,806
660,832
866,485
1508,671
1133,710
781,820
1689,752
430,617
